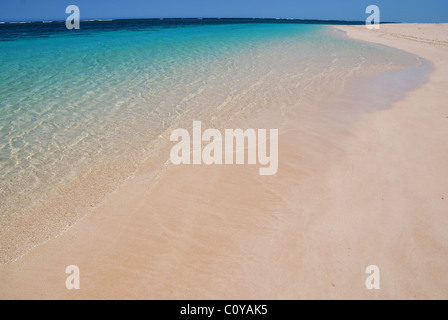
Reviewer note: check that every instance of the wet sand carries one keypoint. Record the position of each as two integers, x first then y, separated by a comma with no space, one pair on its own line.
372,193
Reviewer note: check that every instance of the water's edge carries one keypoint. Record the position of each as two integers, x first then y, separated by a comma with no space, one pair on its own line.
374,92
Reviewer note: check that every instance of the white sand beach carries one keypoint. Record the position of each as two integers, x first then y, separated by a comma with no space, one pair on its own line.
379,196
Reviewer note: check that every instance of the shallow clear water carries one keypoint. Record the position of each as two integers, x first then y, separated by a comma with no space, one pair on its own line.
79,110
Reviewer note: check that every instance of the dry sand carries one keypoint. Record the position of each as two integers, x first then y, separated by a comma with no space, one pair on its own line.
378,197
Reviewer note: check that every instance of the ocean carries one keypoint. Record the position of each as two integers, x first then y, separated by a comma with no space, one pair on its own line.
81,110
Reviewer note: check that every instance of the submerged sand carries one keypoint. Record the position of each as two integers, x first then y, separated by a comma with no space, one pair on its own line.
373,193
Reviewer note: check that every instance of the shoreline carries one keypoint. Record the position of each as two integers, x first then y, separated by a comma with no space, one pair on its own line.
41,221
406,144
307,233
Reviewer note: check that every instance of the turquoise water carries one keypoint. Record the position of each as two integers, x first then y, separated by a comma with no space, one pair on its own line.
81,109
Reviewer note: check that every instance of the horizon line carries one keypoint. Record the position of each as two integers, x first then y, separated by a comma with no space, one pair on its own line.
326,21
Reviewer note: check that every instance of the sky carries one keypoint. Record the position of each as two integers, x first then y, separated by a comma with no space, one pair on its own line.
349,10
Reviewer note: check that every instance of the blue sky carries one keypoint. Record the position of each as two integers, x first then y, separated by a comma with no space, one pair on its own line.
391,10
